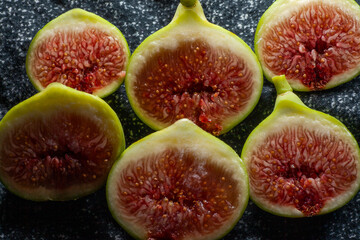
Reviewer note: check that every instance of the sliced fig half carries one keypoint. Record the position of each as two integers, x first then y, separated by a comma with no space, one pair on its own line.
193,69
80,50
178,183
314,43
301,162
58,145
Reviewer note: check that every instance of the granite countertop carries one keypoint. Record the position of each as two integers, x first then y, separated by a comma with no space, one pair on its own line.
88,217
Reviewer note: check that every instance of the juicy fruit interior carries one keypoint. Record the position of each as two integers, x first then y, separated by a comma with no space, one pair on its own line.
315,43
56,152
173,195
194,81
84,59
302,168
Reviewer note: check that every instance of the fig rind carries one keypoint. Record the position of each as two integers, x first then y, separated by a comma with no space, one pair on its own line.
185,135
71,18
49,100
290,110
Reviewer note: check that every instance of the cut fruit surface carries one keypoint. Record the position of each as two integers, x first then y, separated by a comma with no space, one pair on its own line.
301,162
58,145
178,183
193,69
81,50
314,43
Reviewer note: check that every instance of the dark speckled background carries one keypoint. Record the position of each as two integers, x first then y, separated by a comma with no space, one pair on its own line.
88,218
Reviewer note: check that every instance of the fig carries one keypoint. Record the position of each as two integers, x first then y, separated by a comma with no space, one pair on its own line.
80,50
58,145
178,183
301,162
314,43
193,69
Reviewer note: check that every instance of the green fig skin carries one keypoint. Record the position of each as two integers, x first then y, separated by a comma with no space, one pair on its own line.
288,108
72,18
188,3
191,23
187,137
47,102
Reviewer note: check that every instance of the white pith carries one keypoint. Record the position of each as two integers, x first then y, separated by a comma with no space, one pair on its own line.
185,136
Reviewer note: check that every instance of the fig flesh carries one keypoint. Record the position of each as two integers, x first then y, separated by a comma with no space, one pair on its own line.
301,162
81,50
193,69
313,43
58,145
178,183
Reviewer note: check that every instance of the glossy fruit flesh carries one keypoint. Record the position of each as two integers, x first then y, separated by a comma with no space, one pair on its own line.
194,81
303,168
315,46
301,162
57,150
173,194
58,145
193,69
81,50
85,60
178,183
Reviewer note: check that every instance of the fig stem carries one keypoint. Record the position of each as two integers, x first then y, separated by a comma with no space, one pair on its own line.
285,93
188,3
281,84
